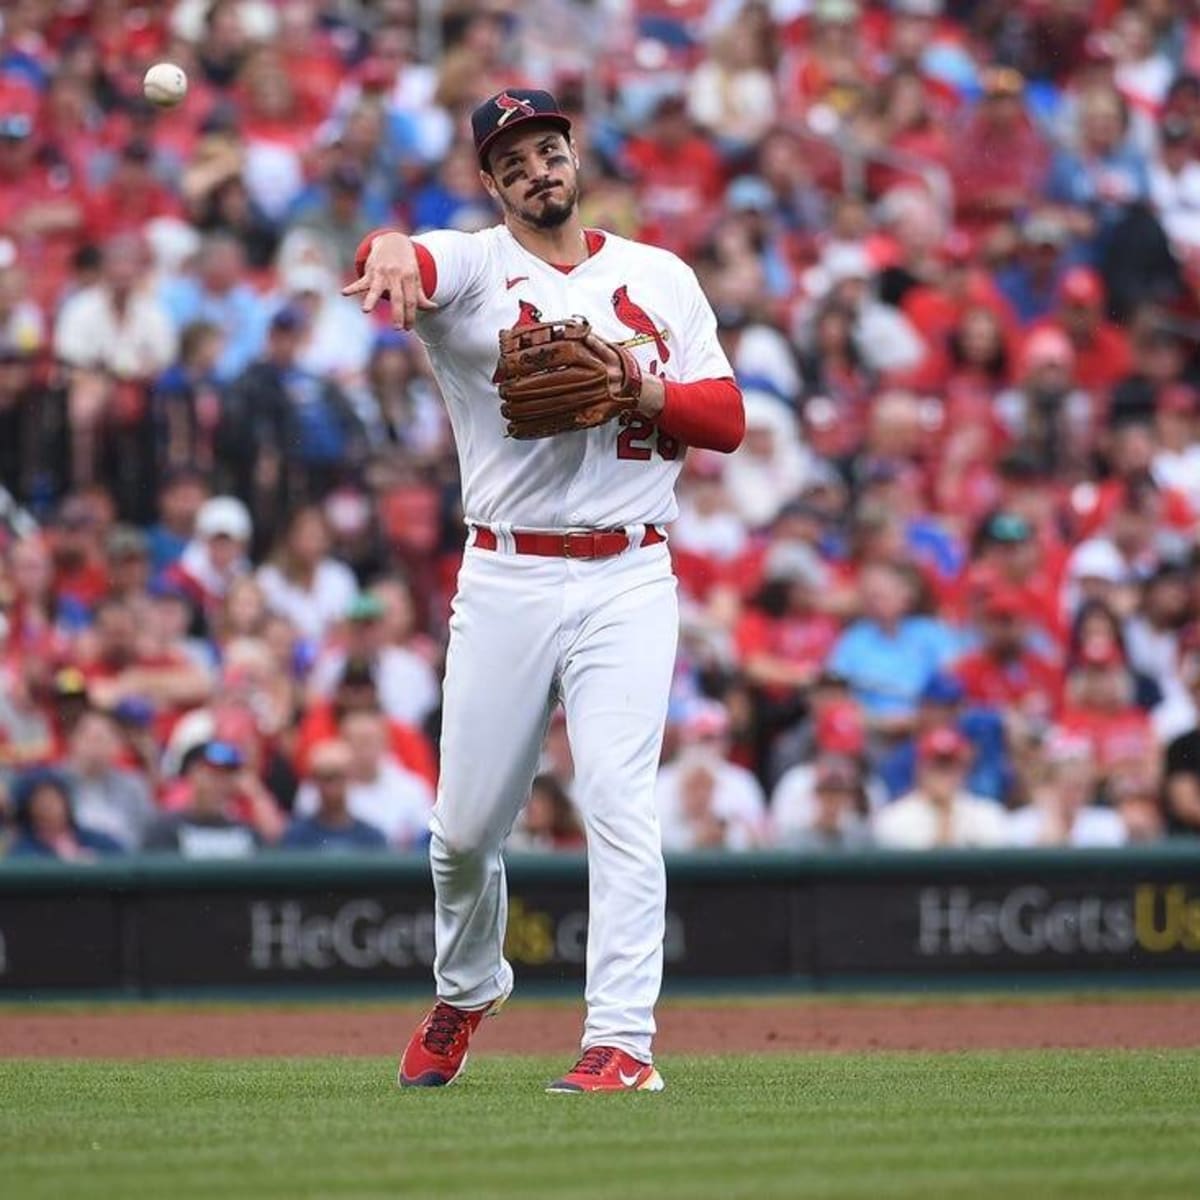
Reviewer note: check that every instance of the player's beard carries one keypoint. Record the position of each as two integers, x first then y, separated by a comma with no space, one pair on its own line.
548,210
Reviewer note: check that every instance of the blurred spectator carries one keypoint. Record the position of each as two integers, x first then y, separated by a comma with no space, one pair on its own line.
1062,810
131,197
883,335
1101,348
181,497
118,667
1177,453
1099,705
1047,416
1029,281
890,654
453,199
186,403
42,205
547,822
1005,673
822,806
1182,765
1175,184
1137,801
218,294
216,555
355,690
116,337
339,337
203,826
704,801
999,158
939,812
1103,175
332,827
678,176
302,583
768,468
293,435
1154,640
46,826
408,690
380,791
109,798
941,706
731,93
22,326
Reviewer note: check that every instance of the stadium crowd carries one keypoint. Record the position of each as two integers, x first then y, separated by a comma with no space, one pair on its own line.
946,593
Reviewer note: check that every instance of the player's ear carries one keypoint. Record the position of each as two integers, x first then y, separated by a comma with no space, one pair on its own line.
489,183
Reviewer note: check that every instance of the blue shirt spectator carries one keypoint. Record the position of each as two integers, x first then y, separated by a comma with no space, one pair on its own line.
990,773
219,295
332,828
1104,175
312,833
888,655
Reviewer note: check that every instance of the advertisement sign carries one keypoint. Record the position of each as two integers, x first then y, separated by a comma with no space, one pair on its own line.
150,928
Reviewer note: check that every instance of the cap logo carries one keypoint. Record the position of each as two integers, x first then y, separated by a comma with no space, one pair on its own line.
510,107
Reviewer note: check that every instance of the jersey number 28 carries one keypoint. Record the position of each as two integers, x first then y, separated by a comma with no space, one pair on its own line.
635,440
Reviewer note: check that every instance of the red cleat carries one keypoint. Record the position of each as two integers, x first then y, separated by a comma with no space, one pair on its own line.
437,1052
607,1069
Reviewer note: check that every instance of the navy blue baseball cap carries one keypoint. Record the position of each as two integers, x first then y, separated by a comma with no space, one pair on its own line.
510,108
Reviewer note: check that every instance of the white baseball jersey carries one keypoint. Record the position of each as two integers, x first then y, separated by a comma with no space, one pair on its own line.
621,473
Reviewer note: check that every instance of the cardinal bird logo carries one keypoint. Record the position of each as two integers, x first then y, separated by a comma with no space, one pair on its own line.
635,317
511,107
528,314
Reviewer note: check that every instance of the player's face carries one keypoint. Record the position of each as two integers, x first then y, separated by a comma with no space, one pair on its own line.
534,176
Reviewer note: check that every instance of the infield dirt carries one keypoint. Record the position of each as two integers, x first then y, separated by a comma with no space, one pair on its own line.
684,1028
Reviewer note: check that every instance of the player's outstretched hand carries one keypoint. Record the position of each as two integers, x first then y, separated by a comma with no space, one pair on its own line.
391,271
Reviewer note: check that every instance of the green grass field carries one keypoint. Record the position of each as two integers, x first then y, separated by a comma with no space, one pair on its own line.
972,1126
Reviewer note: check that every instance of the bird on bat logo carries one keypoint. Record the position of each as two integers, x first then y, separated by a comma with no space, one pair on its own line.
512,106
635,317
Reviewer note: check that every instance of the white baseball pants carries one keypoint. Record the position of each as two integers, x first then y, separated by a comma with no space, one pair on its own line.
523,631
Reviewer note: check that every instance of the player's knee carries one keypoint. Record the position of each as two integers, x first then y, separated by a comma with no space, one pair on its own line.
461,841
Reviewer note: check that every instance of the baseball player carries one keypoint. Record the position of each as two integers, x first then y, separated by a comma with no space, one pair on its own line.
576,366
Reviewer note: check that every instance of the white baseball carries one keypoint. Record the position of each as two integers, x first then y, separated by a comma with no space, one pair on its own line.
165,84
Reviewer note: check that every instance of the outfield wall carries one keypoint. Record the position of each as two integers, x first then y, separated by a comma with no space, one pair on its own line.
154,926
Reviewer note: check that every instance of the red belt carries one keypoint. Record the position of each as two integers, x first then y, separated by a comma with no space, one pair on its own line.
592,543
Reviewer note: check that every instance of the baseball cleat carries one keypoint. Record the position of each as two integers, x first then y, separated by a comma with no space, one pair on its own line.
607,1069
437,1053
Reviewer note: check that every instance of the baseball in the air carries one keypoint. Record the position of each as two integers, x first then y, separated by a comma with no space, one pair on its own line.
165,84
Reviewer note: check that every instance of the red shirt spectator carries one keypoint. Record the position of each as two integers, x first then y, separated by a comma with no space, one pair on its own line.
410,746
678,175
131,198
999,159
783,641
1099,706
1003,672
1102,350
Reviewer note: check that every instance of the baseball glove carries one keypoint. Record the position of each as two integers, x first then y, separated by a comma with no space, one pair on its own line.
552,379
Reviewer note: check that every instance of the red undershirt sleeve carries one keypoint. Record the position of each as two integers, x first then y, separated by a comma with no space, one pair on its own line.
706,413
425,263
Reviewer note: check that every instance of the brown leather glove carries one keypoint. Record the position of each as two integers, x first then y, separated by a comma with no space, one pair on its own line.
552,380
